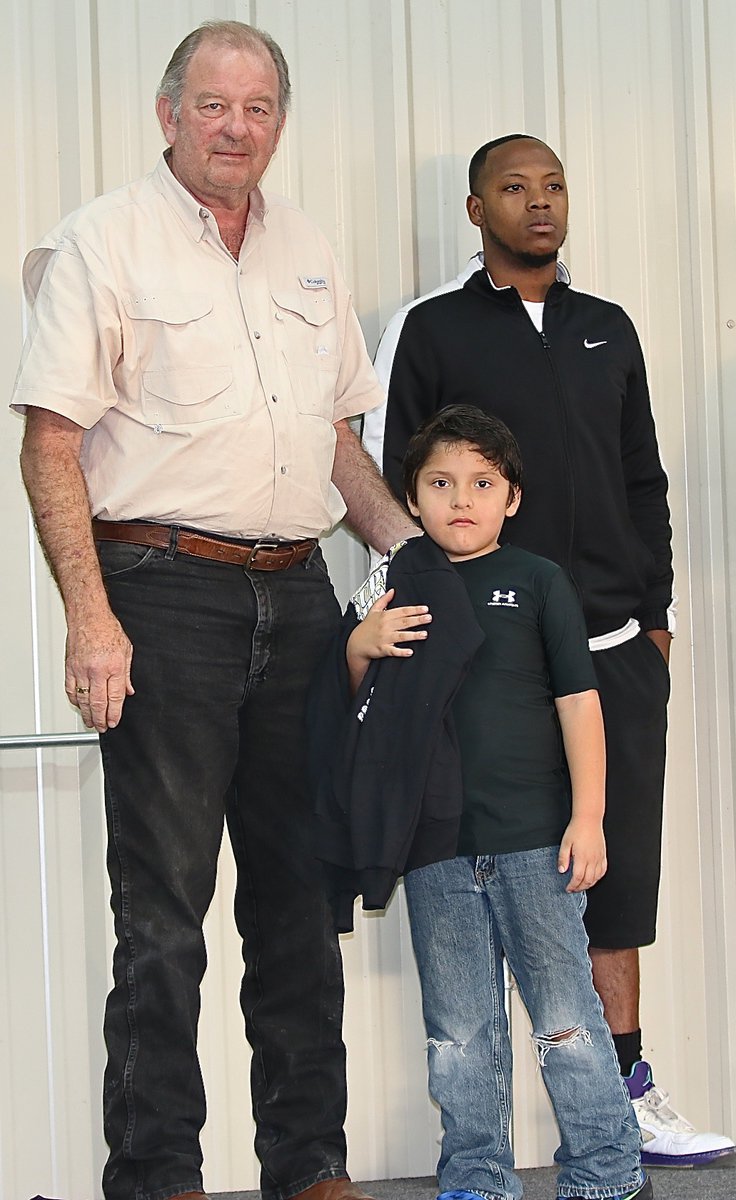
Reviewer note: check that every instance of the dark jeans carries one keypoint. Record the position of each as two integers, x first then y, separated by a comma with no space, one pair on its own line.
215,731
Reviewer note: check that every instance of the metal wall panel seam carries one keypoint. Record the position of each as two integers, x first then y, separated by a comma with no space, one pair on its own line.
718,34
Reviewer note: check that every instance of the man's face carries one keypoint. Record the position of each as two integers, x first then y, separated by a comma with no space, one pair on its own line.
521,205
229,124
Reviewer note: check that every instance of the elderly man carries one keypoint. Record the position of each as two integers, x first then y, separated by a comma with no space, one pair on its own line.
191,367
565,371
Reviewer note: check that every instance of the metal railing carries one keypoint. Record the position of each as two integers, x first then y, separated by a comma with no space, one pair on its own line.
33,741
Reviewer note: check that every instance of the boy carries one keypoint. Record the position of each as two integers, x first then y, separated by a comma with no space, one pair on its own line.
530,842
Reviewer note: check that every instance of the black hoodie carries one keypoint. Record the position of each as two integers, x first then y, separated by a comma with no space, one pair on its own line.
385,765
576,398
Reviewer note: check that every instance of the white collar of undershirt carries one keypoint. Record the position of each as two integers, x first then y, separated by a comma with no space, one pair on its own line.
535,308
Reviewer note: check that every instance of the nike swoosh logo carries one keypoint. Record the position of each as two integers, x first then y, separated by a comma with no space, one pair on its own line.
592,345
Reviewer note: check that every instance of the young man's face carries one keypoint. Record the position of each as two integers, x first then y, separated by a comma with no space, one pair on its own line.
521,205
462,501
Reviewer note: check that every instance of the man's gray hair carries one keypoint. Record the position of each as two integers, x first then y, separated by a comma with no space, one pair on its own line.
227,33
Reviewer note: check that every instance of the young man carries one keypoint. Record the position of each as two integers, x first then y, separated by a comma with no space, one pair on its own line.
530,837
565,371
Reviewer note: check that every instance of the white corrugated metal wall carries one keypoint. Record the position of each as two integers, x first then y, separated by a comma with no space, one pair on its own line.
391,98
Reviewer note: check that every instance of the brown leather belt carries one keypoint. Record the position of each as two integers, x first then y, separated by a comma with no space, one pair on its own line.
266,554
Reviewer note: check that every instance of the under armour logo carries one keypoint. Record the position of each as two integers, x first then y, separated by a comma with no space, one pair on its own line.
505,599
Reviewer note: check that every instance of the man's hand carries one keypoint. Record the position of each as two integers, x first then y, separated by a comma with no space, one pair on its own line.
97,677
662,640
381,634
583,843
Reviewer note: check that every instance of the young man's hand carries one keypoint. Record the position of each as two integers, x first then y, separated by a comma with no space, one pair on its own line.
383,633
583,843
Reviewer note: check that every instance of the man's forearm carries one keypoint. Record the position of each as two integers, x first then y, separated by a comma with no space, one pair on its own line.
98,653
372,510
60,505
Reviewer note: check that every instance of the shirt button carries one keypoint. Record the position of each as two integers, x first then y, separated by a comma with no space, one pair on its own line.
204,214
256,334
283,470
278,316
275,398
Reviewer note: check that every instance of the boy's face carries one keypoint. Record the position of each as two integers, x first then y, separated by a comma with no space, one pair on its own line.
462,501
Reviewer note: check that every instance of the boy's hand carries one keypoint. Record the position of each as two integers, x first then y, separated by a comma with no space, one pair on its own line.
383,634
583,843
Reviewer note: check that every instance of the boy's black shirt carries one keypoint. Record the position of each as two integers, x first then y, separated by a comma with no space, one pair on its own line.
515,780
385,765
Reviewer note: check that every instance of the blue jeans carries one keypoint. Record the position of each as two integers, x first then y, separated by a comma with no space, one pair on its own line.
215,733
466,915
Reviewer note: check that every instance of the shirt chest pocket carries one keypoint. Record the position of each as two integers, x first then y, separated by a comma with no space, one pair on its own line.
308,337
184,374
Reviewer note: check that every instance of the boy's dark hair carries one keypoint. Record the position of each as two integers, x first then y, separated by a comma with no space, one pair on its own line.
463,423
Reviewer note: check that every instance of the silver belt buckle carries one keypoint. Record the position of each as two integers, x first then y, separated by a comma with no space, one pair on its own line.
261,544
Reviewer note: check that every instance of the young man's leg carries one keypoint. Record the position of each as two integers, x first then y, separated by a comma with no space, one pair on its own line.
460,962
633,680
546,946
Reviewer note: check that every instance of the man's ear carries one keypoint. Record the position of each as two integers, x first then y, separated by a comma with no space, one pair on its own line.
474,205
514,501
165,114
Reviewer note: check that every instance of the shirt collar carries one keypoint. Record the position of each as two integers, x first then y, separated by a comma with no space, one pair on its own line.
195,215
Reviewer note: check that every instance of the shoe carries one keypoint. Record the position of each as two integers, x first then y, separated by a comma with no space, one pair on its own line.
460,1195
668,1140
332,1189
643,1192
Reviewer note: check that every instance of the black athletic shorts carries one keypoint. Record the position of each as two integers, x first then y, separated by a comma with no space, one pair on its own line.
634,687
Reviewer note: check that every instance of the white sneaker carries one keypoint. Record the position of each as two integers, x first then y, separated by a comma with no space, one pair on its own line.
668,1140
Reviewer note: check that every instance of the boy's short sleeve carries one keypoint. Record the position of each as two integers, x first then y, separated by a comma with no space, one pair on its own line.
565,638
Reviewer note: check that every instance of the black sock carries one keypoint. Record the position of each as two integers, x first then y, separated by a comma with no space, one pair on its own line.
628,1049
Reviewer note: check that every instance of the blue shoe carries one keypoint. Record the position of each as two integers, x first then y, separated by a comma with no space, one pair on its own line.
668,1140
462,1195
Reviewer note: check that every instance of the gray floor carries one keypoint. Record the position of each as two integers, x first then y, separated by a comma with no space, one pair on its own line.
539,1184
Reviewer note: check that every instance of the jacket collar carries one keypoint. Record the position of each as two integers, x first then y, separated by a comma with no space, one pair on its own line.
480,281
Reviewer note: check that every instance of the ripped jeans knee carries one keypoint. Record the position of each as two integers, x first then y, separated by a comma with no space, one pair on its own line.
544,1042
440,1047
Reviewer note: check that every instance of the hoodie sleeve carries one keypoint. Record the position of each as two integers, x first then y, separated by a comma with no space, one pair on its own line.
646,488
413,394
